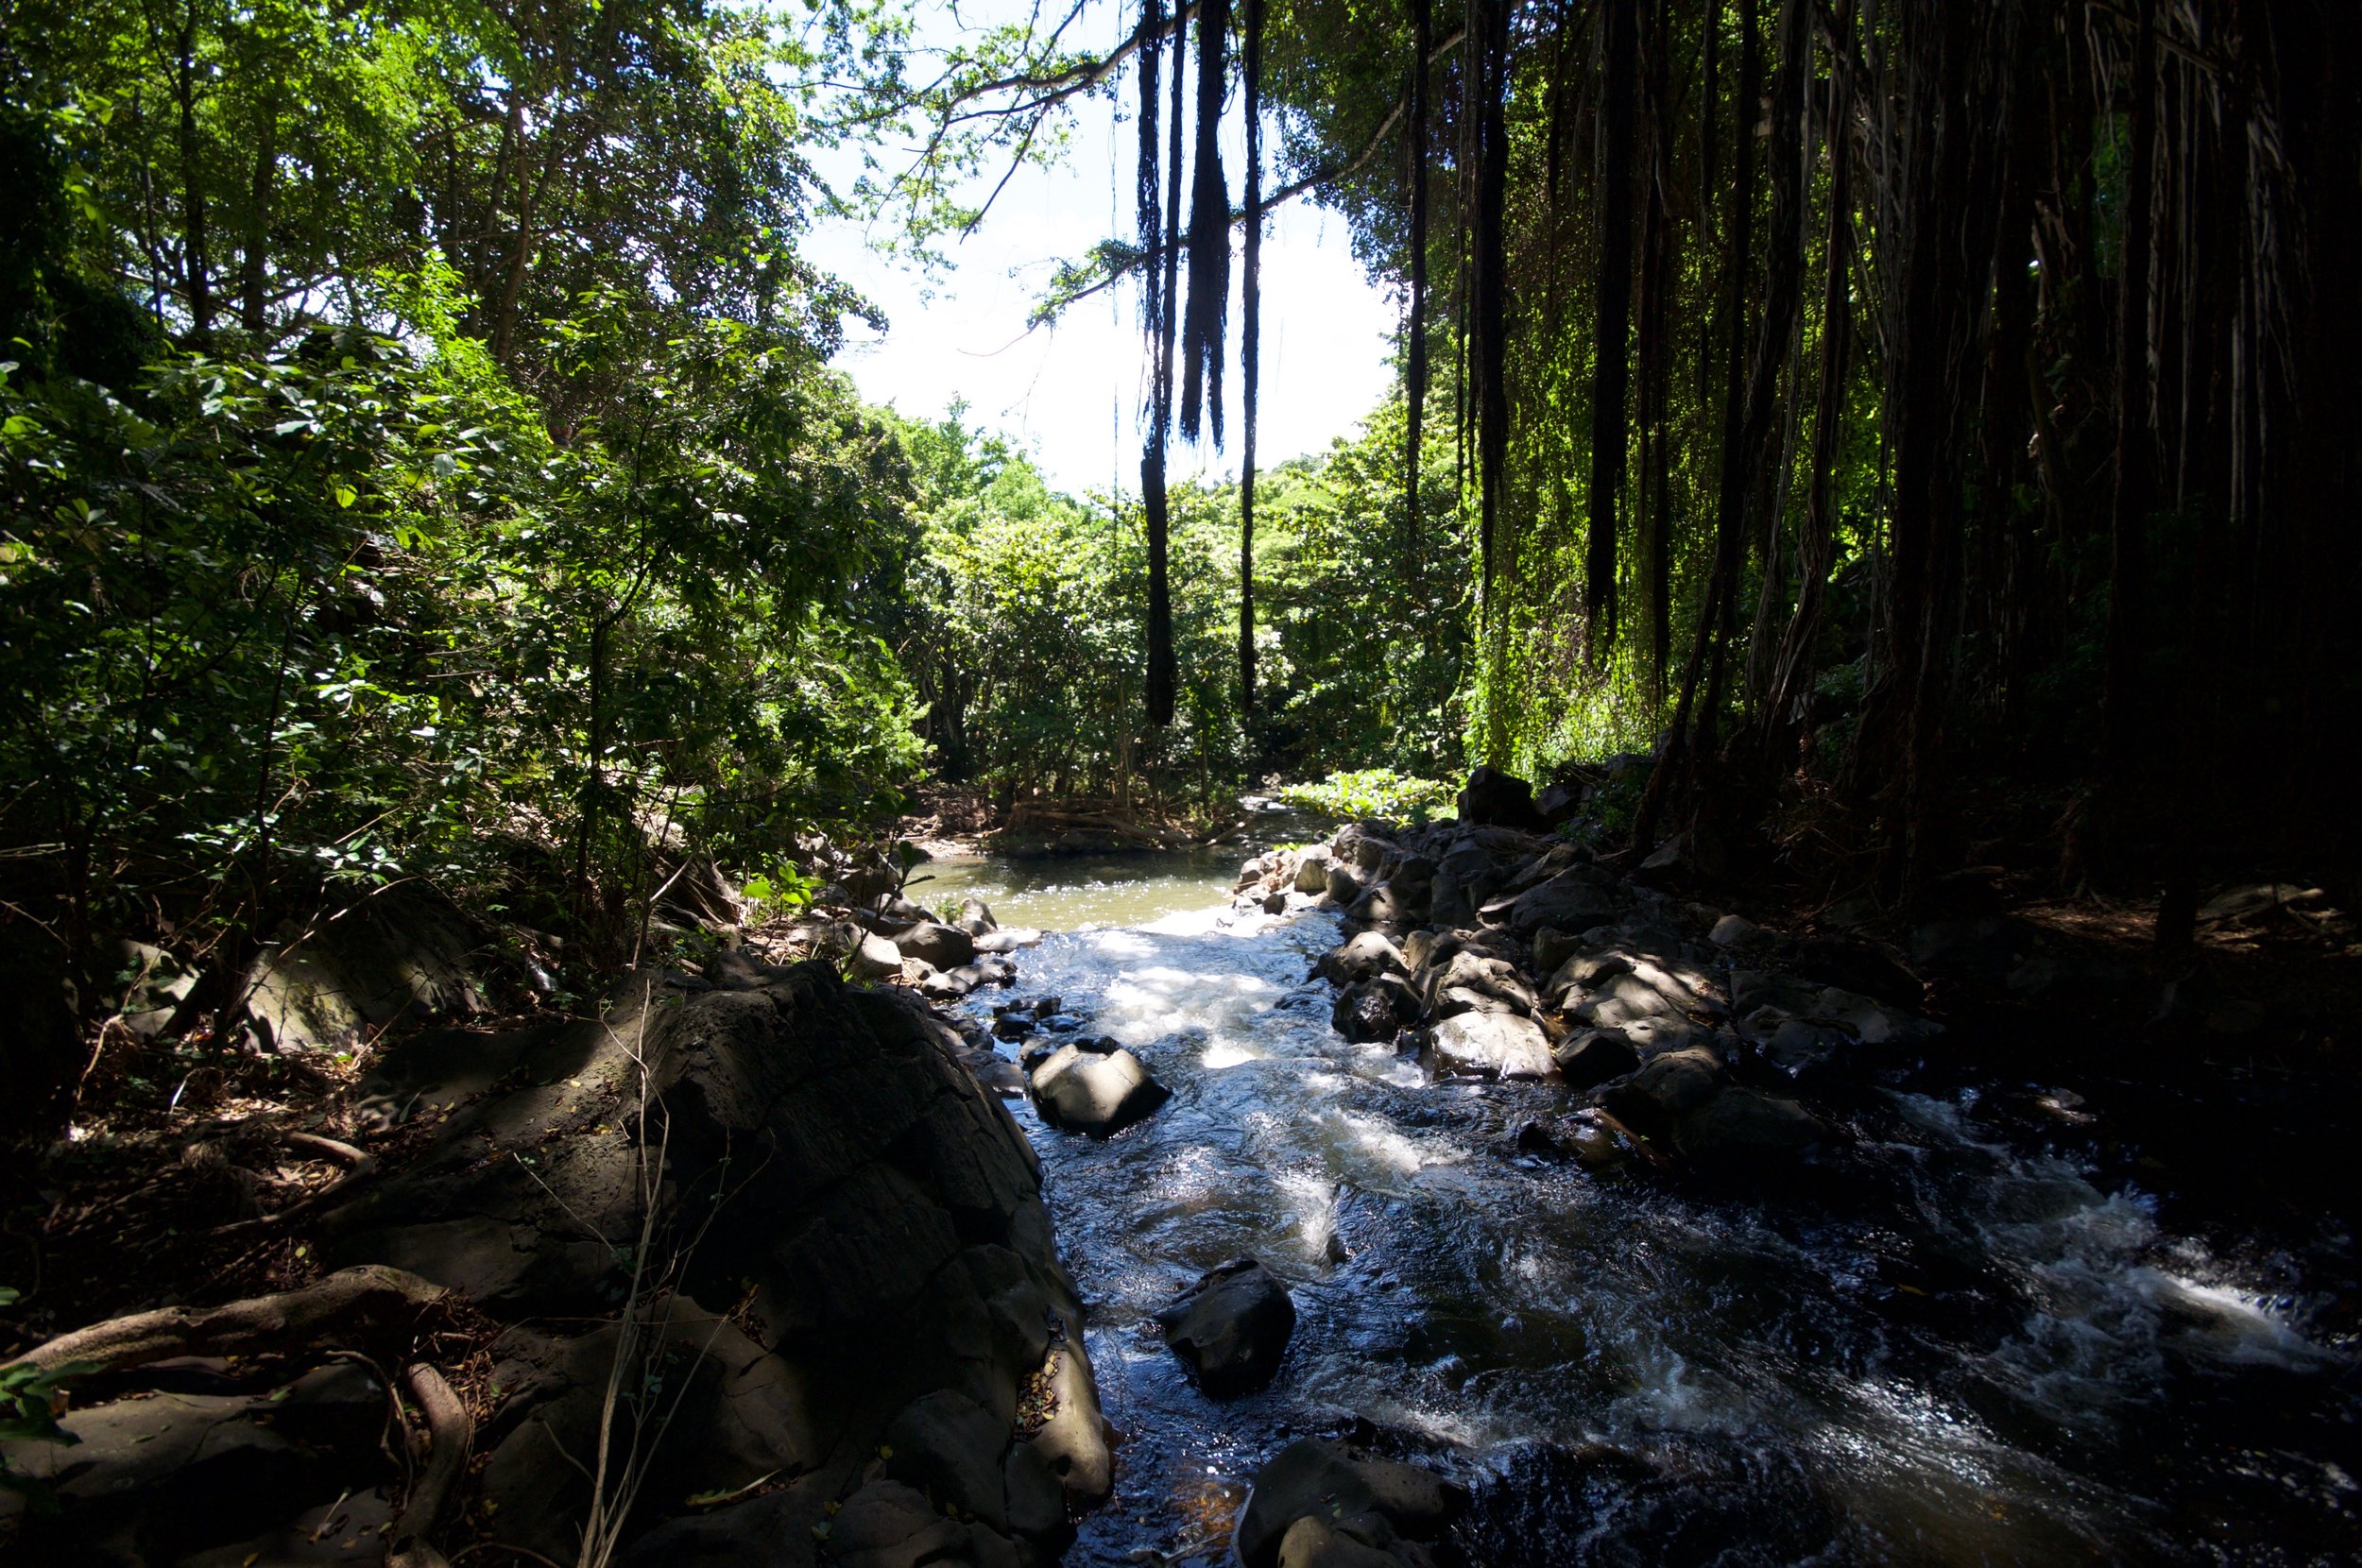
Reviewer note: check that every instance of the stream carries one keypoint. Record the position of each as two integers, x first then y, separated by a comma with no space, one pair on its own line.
1980,1350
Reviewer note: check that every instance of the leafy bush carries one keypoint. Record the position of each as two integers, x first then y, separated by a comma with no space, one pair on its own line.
1372,792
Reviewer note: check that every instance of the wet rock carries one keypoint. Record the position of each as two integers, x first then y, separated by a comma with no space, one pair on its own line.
1507,1045
1312,870
874,957
1231,1327
1739,1129
1366,957
1311,1543
931,942
940,985
1083,1092
1800,1049
1374,1504
1654,1101
1593,1056
1008,939
1046,1007
975,918
1012,1026
1495,798
1373,1010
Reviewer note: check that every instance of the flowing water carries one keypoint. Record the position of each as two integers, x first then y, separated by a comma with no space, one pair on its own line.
1975,1348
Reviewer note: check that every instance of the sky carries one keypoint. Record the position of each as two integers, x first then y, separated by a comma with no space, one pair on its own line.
1069,393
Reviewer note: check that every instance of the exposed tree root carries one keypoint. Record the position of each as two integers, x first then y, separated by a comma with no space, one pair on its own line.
351,1300
450,1431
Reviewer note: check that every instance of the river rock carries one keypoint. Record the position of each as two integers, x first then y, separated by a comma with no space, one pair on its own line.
1312,869
874,957
1739,935
1551,948
1571,900
975,918
933,942
1366,957
1231,1327
1742,1130
1654,1101
1008,939
1373,1010
1094,1094
1981,950
1496,798
1340,883
1374,1504
1505,1043
1593,1056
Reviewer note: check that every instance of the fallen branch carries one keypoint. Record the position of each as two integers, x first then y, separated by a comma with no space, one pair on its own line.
353,1299
450,1431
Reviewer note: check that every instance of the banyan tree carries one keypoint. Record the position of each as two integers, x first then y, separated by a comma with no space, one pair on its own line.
1846,399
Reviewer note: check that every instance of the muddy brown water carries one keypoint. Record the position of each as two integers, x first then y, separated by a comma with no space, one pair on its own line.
1969,1345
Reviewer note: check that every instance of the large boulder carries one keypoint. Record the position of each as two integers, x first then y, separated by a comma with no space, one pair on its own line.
829,1162
1093,1093
1312,870
1232,1326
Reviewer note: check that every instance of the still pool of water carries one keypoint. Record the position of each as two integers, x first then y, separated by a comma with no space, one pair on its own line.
1972,1350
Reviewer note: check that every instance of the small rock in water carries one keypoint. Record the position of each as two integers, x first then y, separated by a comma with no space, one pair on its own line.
1047,1006
1361,1509
1232,1326
1012,1026
1093,1094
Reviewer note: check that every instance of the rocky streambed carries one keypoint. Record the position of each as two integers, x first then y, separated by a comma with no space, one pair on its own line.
1436,1196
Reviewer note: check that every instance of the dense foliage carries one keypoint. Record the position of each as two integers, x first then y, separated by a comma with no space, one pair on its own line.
420,462
1028,622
